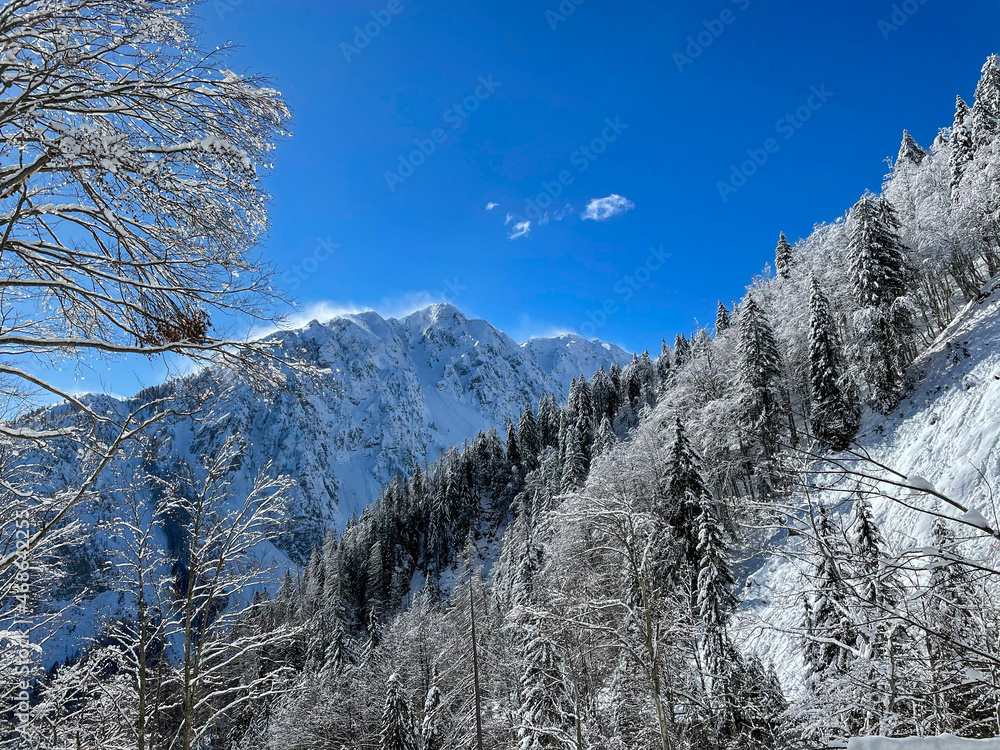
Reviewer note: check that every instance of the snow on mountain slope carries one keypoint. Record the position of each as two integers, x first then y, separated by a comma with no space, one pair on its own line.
946,433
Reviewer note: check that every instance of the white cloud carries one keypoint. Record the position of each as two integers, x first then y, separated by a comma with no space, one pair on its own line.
520,229
324,311
490,206
602,209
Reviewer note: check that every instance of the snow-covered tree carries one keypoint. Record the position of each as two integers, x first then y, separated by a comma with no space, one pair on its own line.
784,257
884,320
396,731
834,413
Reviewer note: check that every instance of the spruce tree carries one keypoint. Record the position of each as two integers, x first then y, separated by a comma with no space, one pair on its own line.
962,149
682,349
529,440
909,151
834,413
784,257
514,459
715,598
721,319
884,321
683,498
985,117
831,625
605,437
430,727
396,731
759,372
547,717
663,366
548,421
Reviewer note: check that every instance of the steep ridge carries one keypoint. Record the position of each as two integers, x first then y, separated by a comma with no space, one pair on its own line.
946,433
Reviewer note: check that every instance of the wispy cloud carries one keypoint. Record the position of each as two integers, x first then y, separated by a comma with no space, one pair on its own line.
324,311
520,229
491,205
602,209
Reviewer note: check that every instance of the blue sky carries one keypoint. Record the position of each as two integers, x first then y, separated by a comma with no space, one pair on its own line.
652,102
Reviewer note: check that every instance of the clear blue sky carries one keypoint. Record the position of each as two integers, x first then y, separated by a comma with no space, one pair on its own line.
552,92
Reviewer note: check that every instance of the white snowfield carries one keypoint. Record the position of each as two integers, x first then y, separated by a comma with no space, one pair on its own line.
945,436
942,742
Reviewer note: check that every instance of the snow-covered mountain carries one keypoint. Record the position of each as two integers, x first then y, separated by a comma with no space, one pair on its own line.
398,392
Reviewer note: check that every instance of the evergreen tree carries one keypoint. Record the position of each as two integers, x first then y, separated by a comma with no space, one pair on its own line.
721,319
909,151
985,117
884,321
374,628
548,421
962,149
514,459
605,437
835,416
715,598
682,350
604,395
831,627
430,729
529,440
685,493
396,731
548,712
663,366
759,372
784,257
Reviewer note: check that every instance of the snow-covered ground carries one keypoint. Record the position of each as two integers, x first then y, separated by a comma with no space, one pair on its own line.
945,435
943,742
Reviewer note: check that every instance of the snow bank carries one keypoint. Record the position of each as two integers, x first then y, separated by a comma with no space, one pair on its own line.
943,742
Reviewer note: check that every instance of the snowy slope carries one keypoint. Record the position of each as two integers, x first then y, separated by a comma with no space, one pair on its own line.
947,433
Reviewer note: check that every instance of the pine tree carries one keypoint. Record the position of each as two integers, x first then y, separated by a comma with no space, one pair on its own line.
721,319
715,599
759,371
548,712
985,118
374,628
548,421
663,366
605,437
396,731
682,350
683,498
909,151
962,149
529,440
884,321
831,627
430,729
514,459
784,257
835,416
